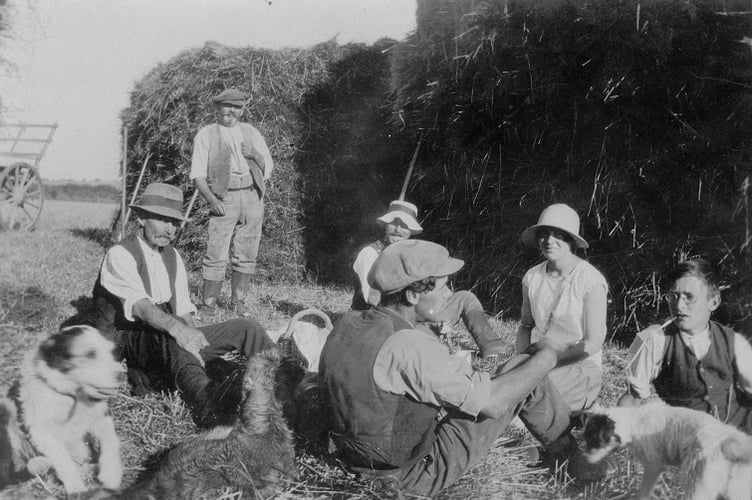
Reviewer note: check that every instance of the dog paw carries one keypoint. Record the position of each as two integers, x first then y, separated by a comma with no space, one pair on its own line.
110,478
38,466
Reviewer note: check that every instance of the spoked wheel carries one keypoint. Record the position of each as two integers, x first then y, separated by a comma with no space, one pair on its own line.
21,197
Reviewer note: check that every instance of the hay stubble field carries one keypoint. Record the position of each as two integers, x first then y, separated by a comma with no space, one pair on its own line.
46,277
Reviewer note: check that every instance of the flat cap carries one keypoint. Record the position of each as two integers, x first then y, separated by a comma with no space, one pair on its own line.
408,261
232,96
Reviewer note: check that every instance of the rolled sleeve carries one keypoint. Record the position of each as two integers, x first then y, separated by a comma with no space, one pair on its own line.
119,276
743,352
644,360
200,156
183,304
260,144
415,363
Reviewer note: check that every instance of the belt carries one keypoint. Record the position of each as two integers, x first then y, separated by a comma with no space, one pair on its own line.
240,189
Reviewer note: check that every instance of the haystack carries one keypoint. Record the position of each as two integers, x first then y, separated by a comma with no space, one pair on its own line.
322,112
635,113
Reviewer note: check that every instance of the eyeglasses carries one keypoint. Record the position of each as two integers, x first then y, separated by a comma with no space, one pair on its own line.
673,298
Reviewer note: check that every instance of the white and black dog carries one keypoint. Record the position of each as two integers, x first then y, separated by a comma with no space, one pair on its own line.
63,400
715,459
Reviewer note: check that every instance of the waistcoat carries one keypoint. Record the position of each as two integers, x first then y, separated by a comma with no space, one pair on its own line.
704,385
372,428
218,166
109,308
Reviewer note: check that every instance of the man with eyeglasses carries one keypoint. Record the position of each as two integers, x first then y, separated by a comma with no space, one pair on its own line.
229,167
405,409
693,361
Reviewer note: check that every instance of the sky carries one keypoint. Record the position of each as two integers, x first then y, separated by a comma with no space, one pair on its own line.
74,62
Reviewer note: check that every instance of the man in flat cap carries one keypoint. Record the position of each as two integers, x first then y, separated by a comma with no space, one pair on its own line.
143,304
229,167
400,222
402,406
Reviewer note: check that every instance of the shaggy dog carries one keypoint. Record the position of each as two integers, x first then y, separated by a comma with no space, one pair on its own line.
255,456
715,459
62,396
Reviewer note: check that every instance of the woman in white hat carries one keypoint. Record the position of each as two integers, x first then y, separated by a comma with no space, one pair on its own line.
564,300
400,222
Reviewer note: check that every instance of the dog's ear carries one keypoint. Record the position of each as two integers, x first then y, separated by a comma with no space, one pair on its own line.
600,431
55,351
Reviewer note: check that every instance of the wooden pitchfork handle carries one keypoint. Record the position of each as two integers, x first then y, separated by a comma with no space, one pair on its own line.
410,169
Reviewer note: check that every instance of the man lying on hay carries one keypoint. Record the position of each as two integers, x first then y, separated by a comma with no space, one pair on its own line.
143,305
402,406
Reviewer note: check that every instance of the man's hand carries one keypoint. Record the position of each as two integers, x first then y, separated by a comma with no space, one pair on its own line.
188,338
217,207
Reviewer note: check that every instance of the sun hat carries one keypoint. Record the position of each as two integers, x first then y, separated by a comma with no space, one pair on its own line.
162,199
404,211
231,96
559,216
408,261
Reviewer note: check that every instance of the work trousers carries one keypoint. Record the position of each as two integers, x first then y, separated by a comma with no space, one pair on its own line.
462,441
244,215
579,383
158,355
458,305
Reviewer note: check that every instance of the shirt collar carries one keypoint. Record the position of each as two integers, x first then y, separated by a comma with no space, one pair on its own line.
146,249
703,336
391,312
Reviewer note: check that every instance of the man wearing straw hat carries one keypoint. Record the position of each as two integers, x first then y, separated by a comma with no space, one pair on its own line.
400,222
402,406
143,304
229,167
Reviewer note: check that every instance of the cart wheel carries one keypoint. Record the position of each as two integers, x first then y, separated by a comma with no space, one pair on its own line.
21,197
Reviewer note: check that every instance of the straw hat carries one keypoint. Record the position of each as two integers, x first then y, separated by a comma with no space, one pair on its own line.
558,216
162,199
404,211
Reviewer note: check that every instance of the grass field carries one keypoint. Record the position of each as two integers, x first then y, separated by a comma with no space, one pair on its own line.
45,275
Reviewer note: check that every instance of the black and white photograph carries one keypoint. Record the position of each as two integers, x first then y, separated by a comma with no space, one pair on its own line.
375,249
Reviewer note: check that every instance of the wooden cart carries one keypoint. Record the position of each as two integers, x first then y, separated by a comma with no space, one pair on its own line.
22,147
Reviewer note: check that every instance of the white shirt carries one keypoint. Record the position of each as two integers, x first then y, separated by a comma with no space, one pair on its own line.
119,275
362,265
646,355
233,137
566,314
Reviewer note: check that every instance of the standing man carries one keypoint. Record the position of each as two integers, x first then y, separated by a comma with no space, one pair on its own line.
400,223
401,405
230,166
143,304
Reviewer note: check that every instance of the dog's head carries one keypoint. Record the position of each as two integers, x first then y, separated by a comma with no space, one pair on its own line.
601,437
78,359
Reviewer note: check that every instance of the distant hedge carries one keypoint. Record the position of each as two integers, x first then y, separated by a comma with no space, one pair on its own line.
102,193
638,114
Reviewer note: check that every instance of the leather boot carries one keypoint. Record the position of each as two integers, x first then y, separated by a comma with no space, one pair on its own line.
485,337
240,282
211,402
211,292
